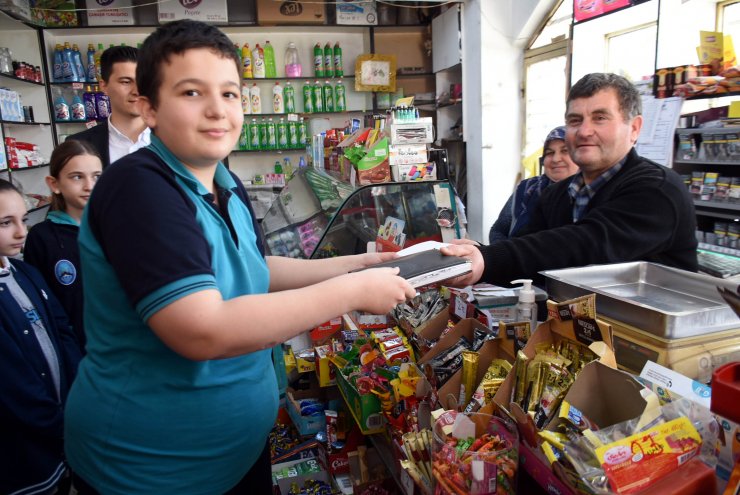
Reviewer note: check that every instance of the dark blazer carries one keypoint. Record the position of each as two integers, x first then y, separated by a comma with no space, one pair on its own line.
98,137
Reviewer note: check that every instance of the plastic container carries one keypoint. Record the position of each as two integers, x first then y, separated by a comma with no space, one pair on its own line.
258,62
278,104
69,73
88,98
293,66
271,135
307,97
282,135
328,61
92,75
328,97
255,99
726,391
269,53
318,97
338,64
58,63
526,308
340,97
486,463
102,105
254,135
246,99
318,61
61,109
247,62
77,109
289,98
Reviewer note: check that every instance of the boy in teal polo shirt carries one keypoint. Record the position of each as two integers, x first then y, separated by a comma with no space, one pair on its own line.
177,393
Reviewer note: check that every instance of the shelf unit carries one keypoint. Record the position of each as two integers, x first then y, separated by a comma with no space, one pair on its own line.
24,42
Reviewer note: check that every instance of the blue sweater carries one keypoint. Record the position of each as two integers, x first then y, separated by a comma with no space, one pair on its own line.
31,415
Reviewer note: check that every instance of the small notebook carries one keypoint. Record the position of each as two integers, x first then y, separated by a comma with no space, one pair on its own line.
428,267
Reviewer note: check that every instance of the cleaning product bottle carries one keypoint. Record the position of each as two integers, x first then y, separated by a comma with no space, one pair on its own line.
92,76
269,54
238,53
77,109
287,168
246,62
254,95
293,66
79,68
292,134
318,97
98,68
282,134
307,97
338,64
302,162
61,109
302,133
88,98
102,104
328,97
56,73
244,136
526,307
271,135
258,62
246,99
278,105
318,61
340,97
278,168
289,98
328,60
68,64
254,136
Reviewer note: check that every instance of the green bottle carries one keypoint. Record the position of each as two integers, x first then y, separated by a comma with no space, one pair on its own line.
289,98
338,65
328,97
263,134
318,97
307,98
271,135
328,61
340,98
244,137
254,135
282,134
292,134
318,61
270,70
302,133
278,167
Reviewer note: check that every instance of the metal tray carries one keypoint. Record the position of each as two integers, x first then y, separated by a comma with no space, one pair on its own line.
664,301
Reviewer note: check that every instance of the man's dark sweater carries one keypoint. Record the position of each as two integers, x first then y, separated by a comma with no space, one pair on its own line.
644,213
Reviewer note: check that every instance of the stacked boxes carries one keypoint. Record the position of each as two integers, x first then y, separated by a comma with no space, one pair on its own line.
408,153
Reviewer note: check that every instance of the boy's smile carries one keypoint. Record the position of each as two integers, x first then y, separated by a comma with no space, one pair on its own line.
199,116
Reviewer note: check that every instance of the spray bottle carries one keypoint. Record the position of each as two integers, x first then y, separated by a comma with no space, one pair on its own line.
526,308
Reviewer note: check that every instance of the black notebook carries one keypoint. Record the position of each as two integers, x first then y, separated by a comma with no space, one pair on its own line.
428,267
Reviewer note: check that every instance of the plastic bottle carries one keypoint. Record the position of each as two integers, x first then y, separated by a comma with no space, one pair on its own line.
246,62
526,307
318,97
77,109
282,134
278,105
328,61
271,135
68,64
98,67
246,99
301,162
61,109
254,96
318,61
293,66
328,90
258,62
244,136
92,75
340,97
238,53
269,54
292,134
263,134
254,136
79,68
307,98
287,167
289,98
56,73
102,104
278,168
338,64
88,98
302,134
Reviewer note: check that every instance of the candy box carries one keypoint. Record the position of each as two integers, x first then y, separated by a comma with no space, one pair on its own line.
299,471
414,172
324,371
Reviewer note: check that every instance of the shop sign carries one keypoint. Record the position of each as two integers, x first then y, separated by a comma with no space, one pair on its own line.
210,11
109,13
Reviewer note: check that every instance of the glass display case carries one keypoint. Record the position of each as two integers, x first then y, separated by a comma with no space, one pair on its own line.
317,215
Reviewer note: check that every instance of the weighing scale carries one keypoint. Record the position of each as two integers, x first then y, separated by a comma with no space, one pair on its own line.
695,357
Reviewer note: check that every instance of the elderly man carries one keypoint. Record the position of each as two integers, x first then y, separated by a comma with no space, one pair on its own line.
620,207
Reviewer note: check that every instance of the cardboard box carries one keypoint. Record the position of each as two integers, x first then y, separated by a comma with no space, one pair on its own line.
418,132
370,322
271,12
357,13
414,173
324,371
284,482
306,425
407,154
364,408
322,333
210,11
373,168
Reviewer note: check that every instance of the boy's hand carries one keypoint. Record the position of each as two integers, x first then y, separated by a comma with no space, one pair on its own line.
379,290
370,259
466,249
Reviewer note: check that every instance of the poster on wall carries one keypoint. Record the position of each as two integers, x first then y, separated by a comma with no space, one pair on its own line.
109,13
210,11
587,9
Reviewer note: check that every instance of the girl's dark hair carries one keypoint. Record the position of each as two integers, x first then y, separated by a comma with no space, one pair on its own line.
7,186
61,155
175,38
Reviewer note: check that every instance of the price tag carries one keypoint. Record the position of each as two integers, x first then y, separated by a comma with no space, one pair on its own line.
461,306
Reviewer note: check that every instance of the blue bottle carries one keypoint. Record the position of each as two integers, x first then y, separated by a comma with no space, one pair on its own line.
77,59
56,74
61,109
92,73
102,105
77,110
88,98
69,74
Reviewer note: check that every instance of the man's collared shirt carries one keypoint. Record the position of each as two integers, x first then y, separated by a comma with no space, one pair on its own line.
119,145
581,194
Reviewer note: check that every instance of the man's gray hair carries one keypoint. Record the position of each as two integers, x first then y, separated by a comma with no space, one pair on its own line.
630,103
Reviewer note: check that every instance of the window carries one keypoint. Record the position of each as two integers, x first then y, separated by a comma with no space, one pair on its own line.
622,46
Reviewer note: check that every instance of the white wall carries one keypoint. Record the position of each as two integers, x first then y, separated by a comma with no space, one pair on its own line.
494,37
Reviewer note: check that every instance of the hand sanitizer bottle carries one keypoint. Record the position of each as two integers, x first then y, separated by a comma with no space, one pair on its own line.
526,308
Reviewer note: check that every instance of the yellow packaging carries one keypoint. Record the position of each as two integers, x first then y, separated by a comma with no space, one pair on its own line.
469,373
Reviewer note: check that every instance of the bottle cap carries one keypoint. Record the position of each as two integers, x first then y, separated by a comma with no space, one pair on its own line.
526,293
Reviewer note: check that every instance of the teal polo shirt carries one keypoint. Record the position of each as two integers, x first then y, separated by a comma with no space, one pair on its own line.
140,418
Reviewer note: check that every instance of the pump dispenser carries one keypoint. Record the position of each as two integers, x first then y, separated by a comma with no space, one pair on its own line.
526,308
